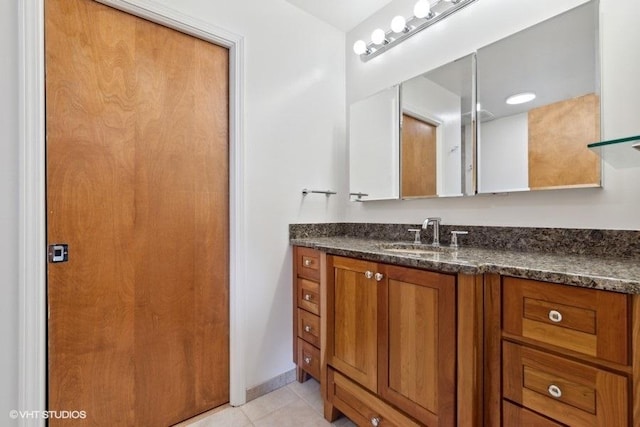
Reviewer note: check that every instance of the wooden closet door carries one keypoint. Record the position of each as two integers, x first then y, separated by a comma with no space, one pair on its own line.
137,186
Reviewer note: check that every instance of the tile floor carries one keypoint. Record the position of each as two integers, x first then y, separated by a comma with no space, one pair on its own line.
295,405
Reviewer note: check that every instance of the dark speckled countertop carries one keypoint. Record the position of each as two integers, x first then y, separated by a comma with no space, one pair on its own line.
584,270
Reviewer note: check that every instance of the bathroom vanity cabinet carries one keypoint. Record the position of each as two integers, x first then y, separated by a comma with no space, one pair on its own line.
389,354
306,313
391,332
413,346
560,354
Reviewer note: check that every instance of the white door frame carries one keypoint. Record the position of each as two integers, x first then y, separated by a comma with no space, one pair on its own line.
32,375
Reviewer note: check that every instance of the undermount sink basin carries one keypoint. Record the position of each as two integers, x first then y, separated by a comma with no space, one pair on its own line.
415,248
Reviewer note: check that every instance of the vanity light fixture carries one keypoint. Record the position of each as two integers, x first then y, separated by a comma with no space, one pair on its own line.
425,14
520,98
379,37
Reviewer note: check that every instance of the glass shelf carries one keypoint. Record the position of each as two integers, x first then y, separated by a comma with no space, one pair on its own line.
619,153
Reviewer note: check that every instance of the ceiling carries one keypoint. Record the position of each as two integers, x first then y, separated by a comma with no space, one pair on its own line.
342,14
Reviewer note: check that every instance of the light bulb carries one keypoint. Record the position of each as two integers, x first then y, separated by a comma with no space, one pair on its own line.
520,98
378,36
398,24
422,9
360,47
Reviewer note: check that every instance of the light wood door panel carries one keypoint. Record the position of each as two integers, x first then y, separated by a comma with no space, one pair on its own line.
137,185
558,138
352,320
419,162
417,363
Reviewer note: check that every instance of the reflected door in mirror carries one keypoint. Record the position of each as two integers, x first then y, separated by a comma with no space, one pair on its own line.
418,158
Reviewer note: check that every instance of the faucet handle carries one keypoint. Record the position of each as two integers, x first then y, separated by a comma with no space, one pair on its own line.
454,237
416,236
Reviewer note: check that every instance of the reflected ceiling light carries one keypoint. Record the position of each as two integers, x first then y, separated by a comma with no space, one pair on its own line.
379,37
520,98
423,17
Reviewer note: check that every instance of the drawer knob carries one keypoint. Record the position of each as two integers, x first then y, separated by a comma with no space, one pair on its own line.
307,360
555,391
368,274
307,262
307,328
379,276
555,316
308,297
375,421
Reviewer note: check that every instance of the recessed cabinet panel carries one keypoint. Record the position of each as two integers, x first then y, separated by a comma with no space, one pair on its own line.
417,367
353,315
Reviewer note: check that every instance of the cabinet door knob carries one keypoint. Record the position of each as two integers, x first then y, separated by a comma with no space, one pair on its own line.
368,274
555,391
307,262
307,360
308,297
379,276
555,316
307,328
375,421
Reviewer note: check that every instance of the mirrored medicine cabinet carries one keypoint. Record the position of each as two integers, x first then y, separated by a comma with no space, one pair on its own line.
421,138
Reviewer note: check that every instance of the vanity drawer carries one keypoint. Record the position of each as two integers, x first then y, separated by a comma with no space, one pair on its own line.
362,407
308,295
309,327
569,392
587,321
309,358
517,416
307,263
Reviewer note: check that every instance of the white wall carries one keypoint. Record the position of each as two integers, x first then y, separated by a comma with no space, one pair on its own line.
503,154
8,208
614,207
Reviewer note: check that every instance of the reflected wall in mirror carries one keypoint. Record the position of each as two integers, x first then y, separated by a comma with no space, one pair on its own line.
374,145
436,138
541,143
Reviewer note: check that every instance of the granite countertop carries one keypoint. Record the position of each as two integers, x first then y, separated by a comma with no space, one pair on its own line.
612,274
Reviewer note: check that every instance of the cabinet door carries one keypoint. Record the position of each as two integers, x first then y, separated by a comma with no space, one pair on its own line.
352,330
417,344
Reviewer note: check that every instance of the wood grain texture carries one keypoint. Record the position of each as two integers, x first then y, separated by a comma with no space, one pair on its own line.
610,339
308,327
417,338
590,396
353,343
419,160
470,350
493,351
635,357
558,138
325,270
136,115
362,406
517,416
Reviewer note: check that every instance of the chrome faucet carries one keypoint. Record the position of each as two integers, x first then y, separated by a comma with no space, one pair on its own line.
436,229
